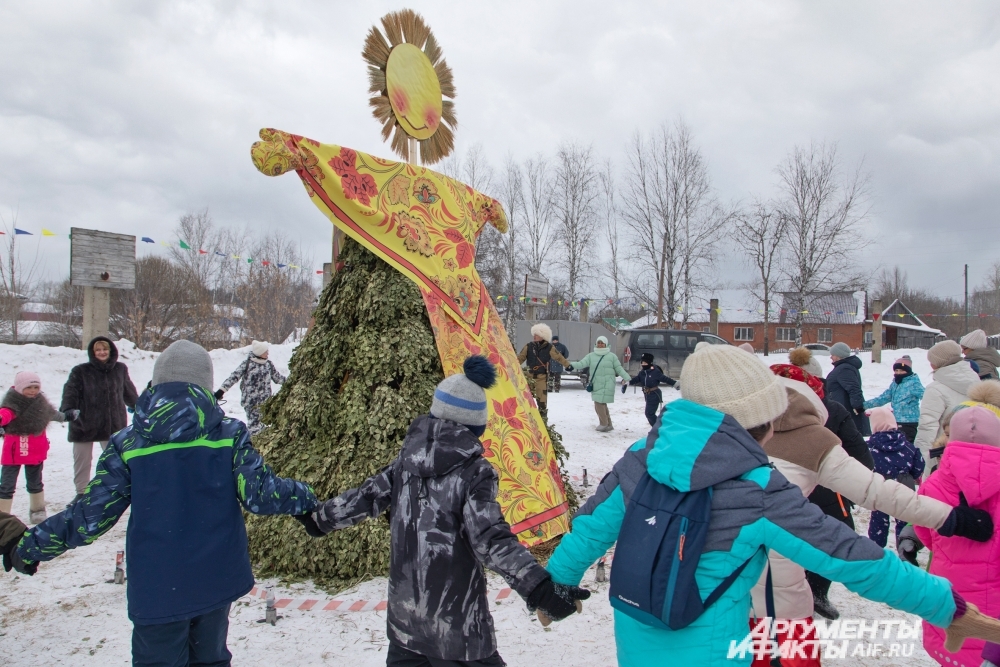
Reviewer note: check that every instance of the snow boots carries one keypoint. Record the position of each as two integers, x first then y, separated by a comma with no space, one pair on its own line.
5,504
36,507
825,608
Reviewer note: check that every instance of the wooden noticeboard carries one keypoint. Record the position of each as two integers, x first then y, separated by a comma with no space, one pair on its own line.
101,259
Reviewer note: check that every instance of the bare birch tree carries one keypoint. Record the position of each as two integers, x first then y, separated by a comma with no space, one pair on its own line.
609,213
538,212
510,262
574,202
667,204
824,235
759,231
17,277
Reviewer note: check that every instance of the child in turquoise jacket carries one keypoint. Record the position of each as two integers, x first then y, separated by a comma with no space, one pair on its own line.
703,441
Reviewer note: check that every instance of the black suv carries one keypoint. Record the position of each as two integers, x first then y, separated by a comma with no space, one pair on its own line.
669,347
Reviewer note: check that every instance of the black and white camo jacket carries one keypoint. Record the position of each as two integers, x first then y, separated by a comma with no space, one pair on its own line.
446,526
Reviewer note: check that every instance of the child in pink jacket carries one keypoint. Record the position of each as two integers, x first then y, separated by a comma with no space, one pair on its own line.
969,473
24,415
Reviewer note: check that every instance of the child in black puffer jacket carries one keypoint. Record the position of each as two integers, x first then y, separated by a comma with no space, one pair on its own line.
895,458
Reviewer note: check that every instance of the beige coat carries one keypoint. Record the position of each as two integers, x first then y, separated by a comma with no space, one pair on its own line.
808,454
950,387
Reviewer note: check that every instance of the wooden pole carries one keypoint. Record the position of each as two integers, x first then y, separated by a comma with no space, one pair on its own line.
713,317
877,331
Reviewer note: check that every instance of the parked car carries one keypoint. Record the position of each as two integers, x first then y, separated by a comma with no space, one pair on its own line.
669,347
818,348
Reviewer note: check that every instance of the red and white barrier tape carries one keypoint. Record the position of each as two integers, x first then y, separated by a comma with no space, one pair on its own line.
329,604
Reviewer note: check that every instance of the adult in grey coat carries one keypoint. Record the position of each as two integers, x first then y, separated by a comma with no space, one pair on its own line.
446,525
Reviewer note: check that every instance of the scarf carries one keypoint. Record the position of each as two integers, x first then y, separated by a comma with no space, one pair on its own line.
31,415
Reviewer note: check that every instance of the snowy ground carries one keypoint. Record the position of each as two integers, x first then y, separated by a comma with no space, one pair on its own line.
69,615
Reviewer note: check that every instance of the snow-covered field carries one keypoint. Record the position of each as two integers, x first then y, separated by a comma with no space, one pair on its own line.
68,614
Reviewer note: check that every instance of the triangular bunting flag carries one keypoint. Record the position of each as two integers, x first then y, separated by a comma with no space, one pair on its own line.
46,232
202,252
185,246
281,266
21,231
146,239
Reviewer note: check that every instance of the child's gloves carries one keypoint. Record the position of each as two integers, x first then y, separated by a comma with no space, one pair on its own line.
71,415
219,394
557,601
964,521
908,544
570,367
309,524
624,387
13,561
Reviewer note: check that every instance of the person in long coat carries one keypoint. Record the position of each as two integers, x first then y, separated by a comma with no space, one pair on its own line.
843,385
101,390
604,366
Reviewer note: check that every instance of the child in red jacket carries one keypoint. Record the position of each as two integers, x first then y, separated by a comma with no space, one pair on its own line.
24,415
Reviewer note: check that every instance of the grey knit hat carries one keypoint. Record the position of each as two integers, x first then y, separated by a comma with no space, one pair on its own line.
184,361
840,350
461,398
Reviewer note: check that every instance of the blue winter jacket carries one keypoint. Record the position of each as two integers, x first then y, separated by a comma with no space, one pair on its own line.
894,455
186,470
904,397
753,506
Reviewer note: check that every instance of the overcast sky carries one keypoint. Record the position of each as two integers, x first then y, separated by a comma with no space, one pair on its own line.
123,116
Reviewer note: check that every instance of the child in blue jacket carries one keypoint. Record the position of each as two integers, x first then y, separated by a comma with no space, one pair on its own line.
904,394
895,458
188,472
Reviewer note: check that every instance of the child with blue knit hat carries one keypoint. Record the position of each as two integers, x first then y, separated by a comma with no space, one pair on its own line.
446,526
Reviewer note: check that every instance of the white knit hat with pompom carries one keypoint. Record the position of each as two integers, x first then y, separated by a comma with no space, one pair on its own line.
729,380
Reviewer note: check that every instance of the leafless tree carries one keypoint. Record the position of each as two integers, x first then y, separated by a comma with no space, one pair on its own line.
538,212
824,235
67,302
17,277
574,200
668,206
276,301
510,262
891,284
759,231
166,305
609,213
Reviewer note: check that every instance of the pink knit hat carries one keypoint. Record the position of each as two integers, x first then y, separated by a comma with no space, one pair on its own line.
26,379
747,347
882,419
976,425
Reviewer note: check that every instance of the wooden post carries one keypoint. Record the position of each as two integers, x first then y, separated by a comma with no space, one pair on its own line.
713,317
100,262
584,311
96,313
877,331
529,311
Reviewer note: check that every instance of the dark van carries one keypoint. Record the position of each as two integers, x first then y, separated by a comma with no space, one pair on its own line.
669,347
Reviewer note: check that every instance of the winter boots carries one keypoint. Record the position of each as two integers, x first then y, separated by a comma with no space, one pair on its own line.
36,507
5,504
825,608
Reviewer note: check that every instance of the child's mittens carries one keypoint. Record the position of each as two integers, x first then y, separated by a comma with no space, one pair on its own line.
312,528
969,622
965,521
